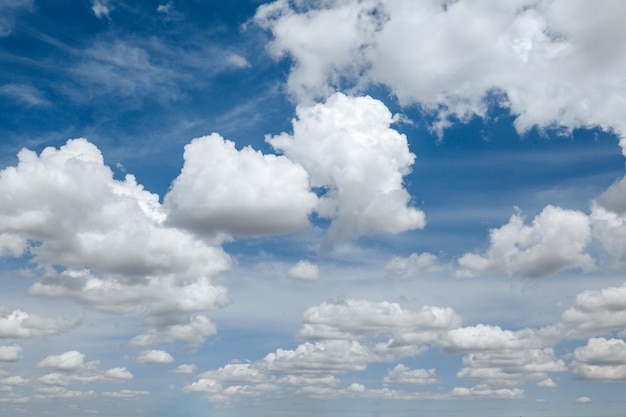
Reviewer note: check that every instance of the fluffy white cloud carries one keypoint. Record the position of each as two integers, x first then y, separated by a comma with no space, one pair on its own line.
154,357
325,357
601,358
115,254
608,221
14,380
304,271
358,161
10,353
19,324
597,312
583,400
510,367
225,191
86,374
555,241
353,319
116,225
403,375
551,59
547,383
487,337
235,373
414,265
68,361
121,374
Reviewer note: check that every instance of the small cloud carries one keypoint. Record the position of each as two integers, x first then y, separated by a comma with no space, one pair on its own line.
547,383
169,11
101,10
304,271
185,369
238,61
10,353
68,361
121,374
154,357
583,400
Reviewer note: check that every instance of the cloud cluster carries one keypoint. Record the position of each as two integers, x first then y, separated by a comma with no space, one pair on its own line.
102,242
349,335
550,60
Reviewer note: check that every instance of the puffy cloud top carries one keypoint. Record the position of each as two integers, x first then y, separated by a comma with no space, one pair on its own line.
357,161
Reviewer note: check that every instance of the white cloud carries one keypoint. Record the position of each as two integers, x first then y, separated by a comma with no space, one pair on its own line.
486,337
185,369
555,241
583,400
304,271
121,374
547,383
235,373
596,312
551,59
115,255
222,190
608,221
195,330
100,9
353,155
510,367
325,357
353,319
154,357
603,359
125,394
115,225
415,265
68,361
14,381
10,353
19,324
403,375
86,374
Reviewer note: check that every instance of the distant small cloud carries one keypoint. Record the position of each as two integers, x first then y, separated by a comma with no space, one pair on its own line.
238,61
547,383
100,9
68,361
169,11
304,271
583,400
154,357
185,369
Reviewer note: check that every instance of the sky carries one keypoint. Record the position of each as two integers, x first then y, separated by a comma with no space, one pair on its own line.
307,208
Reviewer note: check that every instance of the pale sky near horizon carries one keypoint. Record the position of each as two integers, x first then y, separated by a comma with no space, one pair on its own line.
308,208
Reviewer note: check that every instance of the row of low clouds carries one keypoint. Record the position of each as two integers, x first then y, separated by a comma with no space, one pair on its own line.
346,336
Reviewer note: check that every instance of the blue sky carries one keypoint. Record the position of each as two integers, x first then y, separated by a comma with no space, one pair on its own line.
304,208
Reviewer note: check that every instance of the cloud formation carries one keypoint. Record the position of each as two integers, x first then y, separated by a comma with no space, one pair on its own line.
357,162
551,60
